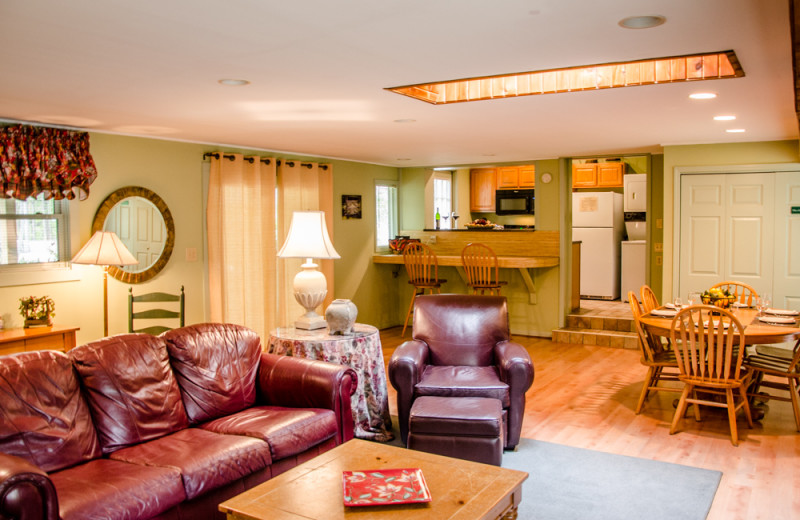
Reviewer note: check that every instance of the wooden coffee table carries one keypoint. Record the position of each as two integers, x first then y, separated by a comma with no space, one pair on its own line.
460,490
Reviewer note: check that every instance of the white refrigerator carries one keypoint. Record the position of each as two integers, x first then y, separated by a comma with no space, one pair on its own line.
597,221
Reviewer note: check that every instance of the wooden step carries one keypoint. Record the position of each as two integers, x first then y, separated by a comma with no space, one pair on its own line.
599,337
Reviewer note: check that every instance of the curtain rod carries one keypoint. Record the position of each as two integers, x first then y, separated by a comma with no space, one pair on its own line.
265,160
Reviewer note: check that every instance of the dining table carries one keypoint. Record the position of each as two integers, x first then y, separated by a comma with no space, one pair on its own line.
756,331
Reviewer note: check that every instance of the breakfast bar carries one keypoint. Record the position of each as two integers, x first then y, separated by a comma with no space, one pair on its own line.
515,249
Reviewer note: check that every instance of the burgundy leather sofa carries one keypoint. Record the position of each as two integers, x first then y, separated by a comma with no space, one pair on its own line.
461,347
140,426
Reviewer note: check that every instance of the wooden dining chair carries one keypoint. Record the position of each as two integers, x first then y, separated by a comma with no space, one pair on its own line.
657,357
744,293
771,362
649,300
422,267
480,266
150,313
709,345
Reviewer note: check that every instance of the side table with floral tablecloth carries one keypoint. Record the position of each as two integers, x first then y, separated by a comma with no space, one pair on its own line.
361,351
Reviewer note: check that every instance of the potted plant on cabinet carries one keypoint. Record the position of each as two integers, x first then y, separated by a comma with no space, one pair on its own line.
37,311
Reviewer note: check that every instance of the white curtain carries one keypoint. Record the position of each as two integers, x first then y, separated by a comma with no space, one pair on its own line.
303,186
242,242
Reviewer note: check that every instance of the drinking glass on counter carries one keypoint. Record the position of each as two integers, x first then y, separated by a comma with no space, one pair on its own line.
455,220
445,217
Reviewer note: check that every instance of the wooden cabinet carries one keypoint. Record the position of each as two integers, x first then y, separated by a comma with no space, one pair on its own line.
609,175
37,338
513,177
597,175
482,185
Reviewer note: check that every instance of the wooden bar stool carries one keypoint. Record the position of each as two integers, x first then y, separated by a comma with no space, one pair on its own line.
422,267
480,265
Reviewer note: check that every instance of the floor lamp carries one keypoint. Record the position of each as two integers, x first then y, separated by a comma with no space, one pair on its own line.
308,238
104,248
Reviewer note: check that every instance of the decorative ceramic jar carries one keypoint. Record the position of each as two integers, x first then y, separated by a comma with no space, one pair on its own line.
341,316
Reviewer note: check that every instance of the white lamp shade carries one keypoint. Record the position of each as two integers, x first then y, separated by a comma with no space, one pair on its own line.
308,237
104,248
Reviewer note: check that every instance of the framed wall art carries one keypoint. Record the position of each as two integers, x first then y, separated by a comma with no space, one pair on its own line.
351,206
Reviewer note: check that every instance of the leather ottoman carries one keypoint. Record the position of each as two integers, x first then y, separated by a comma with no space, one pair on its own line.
470,428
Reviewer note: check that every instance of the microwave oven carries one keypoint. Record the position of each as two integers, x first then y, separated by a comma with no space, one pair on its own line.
514,202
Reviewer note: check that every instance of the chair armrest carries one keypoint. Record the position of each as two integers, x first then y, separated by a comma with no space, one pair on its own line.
405,369
26,492
515,368
306,383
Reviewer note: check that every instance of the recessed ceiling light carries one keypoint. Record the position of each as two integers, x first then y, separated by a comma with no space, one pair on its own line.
230,82
735,130
403,159
405,120
642,22
724,118
703,95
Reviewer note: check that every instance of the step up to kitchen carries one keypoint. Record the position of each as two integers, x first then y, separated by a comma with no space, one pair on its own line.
599,337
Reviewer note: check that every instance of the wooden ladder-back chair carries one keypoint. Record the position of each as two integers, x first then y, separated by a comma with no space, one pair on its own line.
422,267
778,363
649,300
744,293
480,266
658,358
150,313
709,345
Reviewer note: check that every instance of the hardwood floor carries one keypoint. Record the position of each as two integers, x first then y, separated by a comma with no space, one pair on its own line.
584,396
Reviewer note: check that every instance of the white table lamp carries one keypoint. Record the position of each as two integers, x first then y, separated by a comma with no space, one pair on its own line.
308,238
104,248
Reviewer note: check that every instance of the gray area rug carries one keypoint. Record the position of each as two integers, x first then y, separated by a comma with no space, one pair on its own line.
567,483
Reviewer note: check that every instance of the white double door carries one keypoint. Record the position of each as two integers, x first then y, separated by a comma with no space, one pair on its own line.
741,226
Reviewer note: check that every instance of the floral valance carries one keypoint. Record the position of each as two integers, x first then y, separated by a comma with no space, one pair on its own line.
52,161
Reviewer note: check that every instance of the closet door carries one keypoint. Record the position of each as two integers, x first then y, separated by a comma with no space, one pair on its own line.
786,289
726,230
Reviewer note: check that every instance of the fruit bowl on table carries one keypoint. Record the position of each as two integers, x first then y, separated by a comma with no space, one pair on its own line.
723,302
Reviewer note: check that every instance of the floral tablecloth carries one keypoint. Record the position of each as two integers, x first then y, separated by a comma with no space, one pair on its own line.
362,352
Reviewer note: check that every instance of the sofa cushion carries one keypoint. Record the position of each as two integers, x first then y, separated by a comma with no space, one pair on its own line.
43,415
130,388
288,431
105,488
463,381
206,460
216,367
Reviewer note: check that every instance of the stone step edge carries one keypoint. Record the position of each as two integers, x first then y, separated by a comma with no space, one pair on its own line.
598,337
600,323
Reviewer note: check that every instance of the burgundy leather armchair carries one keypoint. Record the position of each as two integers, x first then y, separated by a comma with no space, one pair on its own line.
461,347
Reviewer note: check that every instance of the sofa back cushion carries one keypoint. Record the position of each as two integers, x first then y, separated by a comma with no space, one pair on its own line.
43,415
461,329
130,388
216,365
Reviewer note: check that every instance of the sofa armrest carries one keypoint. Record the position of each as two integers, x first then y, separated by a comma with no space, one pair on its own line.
305,383
405,370
515,368
26,492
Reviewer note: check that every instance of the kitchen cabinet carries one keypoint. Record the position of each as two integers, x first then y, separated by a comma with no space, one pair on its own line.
513,177
482,185
597,175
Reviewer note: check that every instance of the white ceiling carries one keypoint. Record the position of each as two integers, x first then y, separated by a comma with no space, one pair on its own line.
318,69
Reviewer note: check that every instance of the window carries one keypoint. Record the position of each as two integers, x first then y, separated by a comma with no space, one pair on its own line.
34,237
443,196
385,213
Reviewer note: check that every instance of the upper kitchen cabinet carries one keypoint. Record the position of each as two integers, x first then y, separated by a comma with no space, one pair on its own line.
513,177
597,175
482,185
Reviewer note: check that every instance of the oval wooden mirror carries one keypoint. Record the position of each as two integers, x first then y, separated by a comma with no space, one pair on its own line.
144,223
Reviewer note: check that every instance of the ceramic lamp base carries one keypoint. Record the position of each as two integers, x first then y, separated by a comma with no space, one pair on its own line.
310,289
310,322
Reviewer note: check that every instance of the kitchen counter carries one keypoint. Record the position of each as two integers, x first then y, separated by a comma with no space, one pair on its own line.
515,249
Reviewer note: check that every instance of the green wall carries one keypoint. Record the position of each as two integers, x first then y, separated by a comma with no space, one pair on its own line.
176,172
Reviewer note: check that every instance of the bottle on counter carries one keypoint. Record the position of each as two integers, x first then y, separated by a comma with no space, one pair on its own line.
438,219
